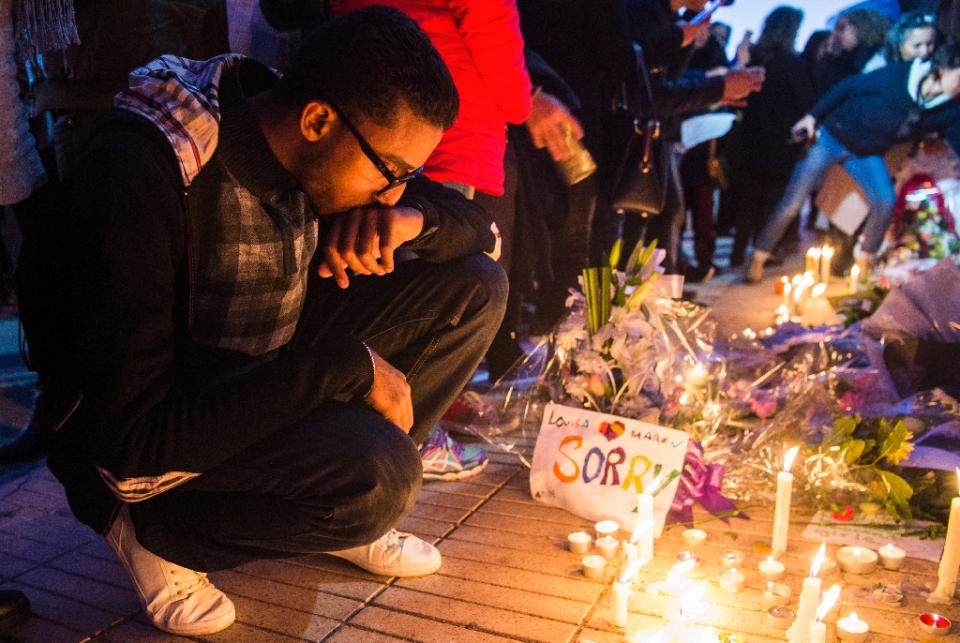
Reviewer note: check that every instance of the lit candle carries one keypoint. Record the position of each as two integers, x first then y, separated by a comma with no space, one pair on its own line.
935,624
642,535
950,560
826,256
621,601
594,566
779,284
776,594
608,546
781,511
812,263
579,542
731,558
809,600
645,503
818,629
732,580
852,628
697,375
694,537
891,556
854,278
606,528
787,288
771,568
857,560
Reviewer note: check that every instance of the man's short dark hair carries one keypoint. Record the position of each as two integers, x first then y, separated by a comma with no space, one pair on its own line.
367,63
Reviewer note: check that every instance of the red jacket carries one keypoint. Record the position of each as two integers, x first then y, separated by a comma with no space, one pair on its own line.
480,42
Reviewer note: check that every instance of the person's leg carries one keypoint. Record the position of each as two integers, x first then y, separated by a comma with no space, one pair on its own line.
434,322
872,175
806,174
341,477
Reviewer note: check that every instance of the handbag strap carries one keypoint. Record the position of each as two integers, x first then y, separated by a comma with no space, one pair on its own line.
642,104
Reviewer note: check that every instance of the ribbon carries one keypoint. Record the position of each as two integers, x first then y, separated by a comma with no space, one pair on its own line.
700,482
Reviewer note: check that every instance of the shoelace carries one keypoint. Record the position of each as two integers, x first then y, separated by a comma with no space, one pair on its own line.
200,581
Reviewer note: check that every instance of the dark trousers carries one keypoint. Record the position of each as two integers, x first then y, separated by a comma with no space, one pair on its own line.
343,476
757,193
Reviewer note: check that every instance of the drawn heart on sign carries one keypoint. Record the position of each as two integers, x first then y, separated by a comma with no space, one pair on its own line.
611,431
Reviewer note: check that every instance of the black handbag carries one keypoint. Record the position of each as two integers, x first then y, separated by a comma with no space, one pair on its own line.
641,175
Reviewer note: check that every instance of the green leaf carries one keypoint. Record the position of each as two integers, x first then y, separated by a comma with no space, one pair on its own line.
899,493
615,253
843,428
853,450
893,439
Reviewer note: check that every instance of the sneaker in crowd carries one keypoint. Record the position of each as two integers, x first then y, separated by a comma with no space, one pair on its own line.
176,599
444,458
754,272
394,554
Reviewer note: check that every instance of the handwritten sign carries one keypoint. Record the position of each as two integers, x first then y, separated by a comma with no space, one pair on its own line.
594,465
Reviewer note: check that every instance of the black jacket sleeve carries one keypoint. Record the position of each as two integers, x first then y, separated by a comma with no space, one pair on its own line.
692,92
453,226
145,410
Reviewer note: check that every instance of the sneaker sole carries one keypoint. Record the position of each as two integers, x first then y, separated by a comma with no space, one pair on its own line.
458,475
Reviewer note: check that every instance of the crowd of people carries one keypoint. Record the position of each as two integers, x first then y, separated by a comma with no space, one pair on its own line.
252,296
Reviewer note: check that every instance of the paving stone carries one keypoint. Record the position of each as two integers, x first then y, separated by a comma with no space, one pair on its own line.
314,573
491,619
283,620
347,634
441,499
136,632
43,631
52,529
241,633
419,629
11,567
542,551
549,584
534,512
426,528
298,598
29,549
92,592
80,564
550,607
438,513
471,487
98,548
67,612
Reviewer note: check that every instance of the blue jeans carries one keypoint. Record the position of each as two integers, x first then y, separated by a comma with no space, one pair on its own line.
869,171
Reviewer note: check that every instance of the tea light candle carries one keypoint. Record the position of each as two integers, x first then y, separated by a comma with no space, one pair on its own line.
935,624
854,278
776,594
594,566
606,528
688,560
608,546
852,628
781,511
771,568
857,560
579,542
950,559
694,537
891,556
780,616
731,558
732,580
620,598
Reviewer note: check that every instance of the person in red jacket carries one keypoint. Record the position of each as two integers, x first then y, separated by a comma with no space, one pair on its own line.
481,44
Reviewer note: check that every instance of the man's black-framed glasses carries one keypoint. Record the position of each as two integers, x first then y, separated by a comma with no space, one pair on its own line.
393,181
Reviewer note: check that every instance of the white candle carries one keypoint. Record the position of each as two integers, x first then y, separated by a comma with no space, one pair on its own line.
694,537
621,600
594,566
818,629
645,503
854,278
781,511
818,632
826,256
852,628
606,528
812,262
579,542
950,560
630,560
776,594
891,556
857,560
809,600
732,580
731,558
608,546
643,539
771,568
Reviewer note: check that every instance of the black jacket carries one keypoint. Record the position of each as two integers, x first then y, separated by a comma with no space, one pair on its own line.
868,113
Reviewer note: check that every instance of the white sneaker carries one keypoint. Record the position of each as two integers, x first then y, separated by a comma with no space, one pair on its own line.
754,273
394,554
177,600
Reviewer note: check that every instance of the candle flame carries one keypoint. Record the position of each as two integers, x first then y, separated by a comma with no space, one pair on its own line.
829,600
856,553
827,251
853,616
818,290
814,252
818,560
789,458
855,271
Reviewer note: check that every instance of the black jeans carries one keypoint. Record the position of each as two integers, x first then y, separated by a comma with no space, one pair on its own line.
343,476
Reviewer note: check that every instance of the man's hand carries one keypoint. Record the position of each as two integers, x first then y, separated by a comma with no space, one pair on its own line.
804,129
549,120
743,50
390,394
364,240
740,83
